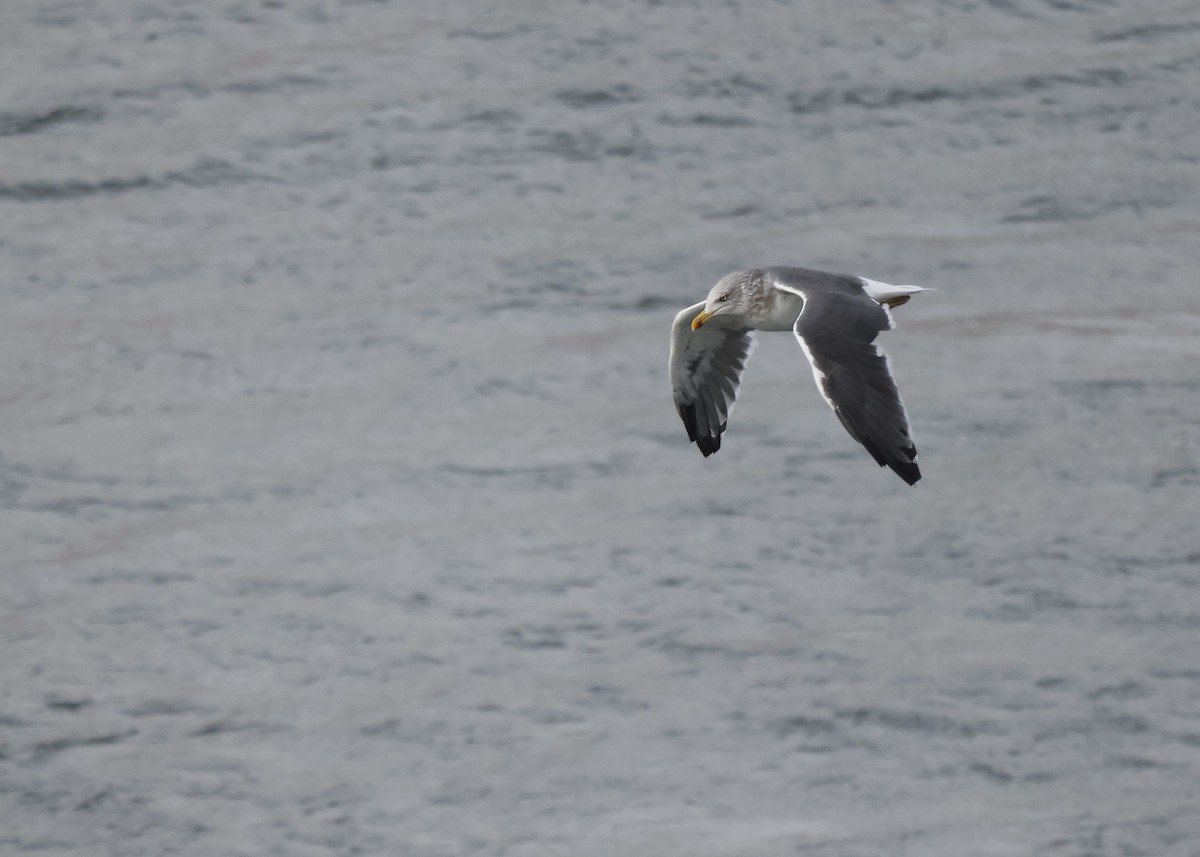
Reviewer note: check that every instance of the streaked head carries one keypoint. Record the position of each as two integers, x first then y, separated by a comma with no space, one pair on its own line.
731,296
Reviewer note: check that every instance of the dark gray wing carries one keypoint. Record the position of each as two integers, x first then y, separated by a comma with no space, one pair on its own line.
837,331
706,371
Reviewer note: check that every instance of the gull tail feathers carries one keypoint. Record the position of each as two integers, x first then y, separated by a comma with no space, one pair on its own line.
889,295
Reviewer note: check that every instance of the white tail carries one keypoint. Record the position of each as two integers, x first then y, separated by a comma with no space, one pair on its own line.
889,295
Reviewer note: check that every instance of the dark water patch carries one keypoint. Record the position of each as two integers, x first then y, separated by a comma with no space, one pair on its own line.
1148,33
708,120
44,191
1010,7
487,35
11,491
1050,209
1105,118
583,99
810,727
93,800
1186,475
671,645
1065,729
1015,611
1106,385
69,704
588,146
1128,724
1077,5
687,650
485,156
849,205
75,506
1188,675
552,716
273,85
1100,394
151,577
124,614
210,173
530,637
1101,386
46,749
198,627
654,303
515,303
705,120
1046,209
881,98
524,189
389,727
31,122
872,98
332,797
734,86
550,476
1182,64
224,726
718,509
169,91
489,119
1050,683
428,186
613,699
417,601
1041,598
996,428
1158,562
1124,690
324,589
1133,763
250,86
102,480
801,460
1183,622
731,213
206,173
163,708
916,721
990,772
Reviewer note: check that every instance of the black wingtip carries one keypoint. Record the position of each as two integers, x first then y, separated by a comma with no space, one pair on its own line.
904,467
906,470
687,413
707,445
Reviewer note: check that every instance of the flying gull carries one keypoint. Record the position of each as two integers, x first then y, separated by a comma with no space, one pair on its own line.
835,317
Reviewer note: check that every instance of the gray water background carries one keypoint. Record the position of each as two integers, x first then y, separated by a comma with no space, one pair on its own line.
345,511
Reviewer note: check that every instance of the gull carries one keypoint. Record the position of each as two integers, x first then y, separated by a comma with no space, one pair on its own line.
835,317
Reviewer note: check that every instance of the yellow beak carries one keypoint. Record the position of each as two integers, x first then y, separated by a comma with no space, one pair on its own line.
699,320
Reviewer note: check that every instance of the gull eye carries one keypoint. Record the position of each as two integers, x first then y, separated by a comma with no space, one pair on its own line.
723,298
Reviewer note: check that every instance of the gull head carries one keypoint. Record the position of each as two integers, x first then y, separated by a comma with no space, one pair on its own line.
735,295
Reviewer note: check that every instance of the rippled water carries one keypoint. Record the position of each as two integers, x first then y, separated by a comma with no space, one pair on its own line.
345,510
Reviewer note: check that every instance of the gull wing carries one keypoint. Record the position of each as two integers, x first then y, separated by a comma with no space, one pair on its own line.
837,331
706,370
